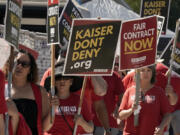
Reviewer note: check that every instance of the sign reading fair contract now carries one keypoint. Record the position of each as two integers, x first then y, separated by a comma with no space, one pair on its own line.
138,43
92,47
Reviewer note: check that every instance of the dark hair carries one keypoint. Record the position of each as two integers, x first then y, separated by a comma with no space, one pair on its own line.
153,68
33,75
76,85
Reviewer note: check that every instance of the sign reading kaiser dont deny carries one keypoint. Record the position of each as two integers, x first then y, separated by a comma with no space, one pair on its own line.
138,43
92,47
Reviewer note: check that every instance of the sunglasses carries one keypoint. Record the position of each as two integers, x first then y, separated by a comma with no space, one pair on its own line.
24,64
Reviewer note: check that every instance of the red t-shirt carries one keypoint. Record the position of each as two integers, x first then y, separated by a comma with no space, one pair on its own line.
89,94
175,82
115,88
46,74
154,107
161,68
128,80
3,107
69,108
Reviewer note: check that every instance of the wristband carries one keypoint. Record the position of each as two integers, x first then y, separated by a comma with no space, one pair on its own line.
108,130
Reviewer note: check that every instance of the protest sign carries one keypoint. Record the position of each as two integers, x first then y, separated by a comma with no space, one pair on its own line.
92,47
70,11
52,22
156,7
176,54
162,45
13,21
160,24
138,43
166,54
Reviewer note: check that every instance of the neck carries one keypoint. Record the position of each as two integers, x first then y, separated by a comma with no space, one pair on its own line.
146,86
19,82
63,95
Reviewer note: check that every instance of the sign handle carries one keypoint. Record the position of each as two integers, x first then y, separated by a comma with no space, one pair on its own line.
11,64
52,77
137,94
81,102
173,50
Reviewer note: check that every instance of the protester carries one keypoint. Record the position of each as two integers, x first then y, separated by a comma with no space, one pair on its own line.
67,103
128,80
3,107
112,101
173,94
96,87
154,114
161,68
31,100
17,124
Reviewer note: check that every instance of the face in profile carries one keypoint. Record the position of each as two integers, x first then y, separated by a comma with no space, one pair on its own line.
22,65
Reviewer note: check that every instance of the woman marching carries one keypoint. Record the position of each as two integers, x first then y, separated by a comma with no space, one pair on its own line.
30,99
154,114
67,105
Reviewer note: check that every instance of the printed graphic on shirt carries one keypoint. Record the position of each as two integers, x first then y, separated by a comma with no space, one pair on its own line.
147,99
67,110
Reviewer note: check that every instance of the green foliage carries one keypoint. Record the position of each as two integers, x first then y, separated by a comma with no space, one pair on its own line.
135,5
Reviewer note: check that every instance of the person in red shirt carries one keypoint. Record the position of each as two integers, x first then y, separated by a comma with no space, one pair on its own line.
17,124
30,100
128,80
161,68
3,108
96,87
112,100
173,93
67,105
154,112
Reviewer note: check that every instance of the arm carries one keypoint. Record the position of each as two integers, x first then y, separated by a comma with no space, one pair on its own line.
100,85
124,114
87,126
115,113
172,96
13,113
165,121
102,113
2,125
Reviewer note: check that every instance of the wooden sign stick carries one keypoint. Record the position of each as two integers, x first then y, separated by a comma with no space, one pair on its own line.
80,102
52,77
